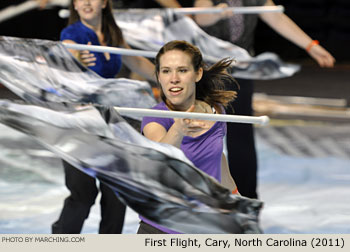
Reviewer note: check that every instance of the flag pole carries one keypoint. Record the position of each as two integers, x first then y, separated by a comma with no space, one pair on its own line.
123,51
64,13
262,120
235,10
113,50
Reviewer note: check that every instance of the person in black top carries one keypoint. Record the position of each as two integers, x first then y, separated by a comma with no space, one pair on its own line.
239,29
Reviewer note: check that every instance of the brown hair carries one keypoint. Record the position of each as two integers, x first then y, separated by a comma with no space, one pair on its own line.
111,32
211,87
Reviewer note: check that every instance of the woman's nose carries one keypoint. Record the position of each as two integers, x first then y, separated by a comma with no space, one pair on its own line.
174,77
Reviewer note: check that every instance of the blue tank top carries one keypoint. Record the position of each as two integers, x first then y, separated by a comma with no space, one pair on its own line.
82,34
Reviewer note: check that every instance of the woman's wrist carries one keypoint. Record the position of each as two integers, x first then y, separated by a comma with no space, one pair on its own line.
311,44
235,191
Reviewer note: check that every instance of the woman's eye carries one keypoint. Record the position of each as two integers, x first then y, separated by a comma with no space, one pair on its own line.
183,70
165,71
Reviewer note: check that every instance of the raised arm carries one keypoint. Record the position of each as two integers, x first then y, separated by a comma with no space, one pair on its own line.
140,65
286,27
42,3
169,3
210,19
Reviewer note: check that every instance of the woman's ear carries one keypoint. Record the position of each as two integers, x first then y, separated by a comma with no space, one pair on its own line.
199,74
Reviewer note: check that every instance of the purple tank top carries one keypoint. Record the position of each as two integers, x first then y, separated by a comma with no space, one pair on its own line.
205,151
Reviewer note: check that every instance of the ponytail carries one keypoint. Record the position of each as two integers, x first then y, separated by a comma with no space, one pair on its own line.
212,88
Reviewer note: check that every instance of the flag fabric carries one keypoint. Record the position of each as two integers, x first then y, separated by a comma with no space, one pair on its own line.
150,29
154,179
42,70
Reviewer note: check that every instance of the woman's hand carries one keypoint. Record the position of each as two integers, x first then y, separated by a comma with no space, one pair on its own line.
225,14
194,127
322,56
210,19
86,58
42,3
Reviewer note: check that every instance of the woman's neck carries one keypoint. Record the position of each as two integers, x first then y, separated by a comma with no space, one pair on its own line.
200,107
96,25
97,28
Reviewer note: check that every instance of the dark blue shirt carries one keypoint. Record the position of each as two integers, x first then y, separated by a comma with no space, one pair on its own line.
82,34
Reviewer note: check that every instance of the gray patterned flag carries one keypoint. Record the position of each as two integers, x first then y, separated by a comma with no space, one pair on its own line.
151,29
41,70
154,179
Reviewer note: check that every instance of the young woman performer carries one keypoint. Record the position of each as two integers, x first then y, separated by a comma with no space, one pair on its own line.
188,85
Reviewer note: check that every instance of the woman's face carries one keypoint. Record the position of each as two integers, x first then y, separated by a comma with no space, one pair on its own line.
90,11
178,78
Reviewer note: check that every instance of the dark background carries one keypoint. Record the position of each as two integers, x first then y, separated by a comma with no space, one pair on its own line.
325,20
41,24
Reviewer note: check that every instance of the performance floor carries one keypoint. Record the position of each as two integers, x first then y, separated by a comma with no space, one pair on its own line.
304,181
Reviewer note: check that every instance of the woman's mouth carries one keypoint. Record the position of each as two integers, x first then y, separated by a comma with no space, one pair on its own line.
175,90
87,10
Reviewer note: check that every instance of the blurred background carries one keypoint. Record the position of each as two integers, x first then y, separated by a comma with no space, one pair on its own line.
325,20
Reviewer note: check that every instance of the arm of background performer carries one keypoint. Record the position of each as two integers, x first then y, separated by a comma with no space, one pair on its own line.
140,65
169,3
210,19
283,25
84,56
226,178
42,3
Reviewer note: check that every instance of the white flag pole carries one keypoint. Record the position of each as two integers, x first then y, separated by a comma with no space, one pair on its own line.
236,10
262,120
123,51
64,13
113,50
